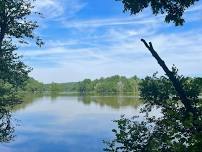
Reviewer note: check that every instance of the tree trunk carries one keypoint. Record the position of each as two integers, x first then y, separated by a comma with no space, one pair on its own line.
176,83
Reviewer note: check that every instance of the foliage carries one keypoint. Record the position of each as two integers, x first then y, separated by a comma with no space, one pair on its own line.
6,92
70,86
33,85
174,130
173,10
118,84
54,87
15,28
113,84
198,81
62,87
131,136
86,86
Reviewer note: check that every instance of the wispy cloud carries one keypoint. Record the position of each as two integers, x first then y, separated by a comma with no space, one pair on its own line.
90,47
57,9
94,23
126,56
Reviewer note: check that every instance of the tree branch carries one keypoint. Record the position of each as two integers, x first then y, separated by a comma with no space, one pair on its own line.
175,81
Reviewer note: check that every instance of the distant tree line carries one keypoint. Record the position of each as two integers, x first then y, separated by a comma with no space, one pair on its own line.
35,86
114,84
109,85
103,86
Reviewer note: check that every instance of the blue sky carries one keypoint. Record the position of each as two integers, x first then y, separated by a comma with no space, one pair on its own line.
94,38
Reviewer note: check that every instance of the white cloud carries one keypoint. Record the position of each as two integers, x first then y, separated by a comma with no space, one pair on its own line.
108,46
145,17
94,23
49,8
56,9
59,43
125,56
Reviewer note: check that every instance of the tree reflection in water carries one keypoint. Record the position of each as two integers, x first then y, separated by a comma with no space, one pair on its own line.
114,101
7,128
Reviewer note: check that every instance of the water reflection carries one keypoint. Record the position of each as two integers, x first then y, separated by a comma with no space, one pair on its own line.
115,102
27,100
6,124
61,122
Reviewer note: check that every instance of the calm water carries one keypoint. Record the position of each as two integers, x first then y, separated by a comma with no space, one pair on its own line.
64,123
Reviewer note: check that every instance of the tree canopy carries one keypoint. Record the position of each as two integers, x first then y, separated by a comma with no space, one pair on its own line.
15,27
173,130
110,85
173,9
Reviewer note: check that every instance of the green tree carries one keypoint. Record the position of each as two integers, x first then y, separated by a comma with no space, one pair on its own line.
55,87
199,82
173,9
110,85
173,130
180,127
15,28
33,86
86,86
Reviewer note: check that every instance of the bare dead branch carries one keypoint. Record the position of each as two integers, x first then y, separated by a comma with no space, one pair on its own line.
175,81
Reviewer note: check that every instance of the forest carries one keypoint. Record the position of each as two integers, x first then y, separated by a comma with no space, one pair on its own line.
103,86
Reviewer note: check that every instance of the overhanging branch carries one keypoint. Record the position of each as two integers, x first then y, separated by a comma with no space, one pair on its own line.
175,81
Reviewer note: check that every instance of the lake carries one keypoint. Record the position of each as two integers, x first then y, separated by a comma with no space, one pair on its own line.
64,123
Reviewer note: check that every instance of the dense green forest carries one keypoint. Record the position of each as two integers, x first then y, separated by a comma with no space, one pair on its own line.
33,85
114,84
109,85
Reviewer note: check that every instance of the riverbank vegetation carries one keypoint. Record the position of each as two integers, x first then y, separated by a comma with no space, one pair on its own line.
103,86
175,130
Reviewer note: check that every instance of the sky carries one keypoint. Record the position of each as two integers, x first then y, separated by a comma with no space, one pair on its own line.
94,38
